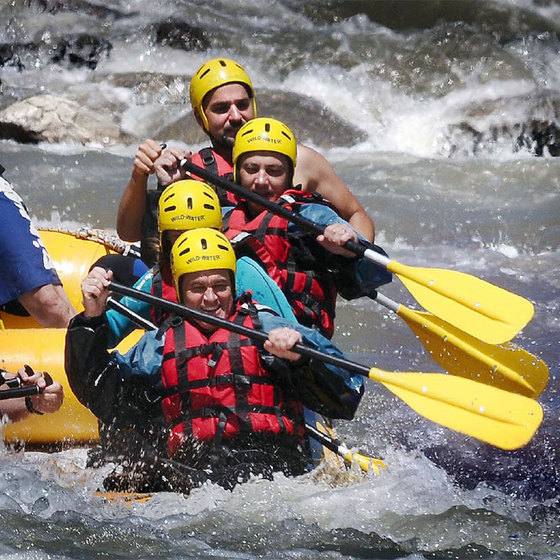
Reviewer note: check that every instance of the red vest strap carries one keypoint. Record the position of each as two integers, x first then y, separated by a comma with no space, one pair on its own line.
218,388
211,160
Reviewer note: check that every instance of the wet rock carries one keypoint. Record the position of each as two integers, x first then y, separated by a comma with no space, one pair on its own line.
533,125
81,6
179,34
503,20
537,137
310,121
80,50
540,138
9,56
152,87
46,118
73,51
19,55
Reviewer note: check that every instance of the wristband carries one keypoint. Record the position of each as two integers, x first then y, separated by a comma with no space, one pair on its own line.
30,407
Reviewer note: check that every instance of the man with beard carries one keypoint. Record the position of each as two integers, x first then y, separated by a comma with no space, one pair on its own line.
223,99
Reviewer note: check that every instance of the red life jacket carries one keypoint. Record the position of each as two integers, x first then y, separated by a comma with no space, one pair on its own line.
208,159
218,388
162,287
305,281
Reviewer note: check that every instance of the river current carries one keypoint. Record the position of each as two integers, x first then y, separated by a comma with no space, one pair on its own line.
430,111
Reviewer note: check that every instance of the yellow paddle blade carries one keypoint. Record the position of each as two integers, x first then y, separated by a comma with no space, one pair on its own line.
366,463
486,413
508,367
477,307
325,435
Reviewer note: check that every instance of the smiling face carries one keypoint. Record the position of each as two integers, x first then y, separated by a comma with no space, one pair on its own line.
209,291
267,174
227,109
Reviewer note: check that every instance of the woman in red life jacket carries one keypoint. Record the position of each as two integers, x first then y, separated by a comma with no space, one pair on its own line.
310,270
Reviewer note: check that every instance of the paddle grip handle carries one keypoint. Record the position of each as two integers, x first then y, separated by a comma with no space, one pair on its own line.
304,223
16,389
323,439
184,311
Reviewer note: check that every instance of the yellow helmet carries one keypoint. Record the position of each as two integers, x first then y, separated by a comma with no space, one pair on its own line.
201,249
264,134
189,204
215,73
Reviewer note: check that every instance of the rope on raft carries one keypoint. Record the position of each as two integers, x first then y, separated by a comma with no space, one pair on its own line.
110,240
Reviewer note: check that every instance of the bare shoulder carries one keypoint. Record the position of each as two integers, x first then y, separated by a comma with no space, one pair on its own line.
312,168
315,173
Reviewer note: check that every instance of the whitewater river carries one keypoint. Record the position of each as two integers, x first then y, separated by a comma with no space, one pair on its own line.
430,112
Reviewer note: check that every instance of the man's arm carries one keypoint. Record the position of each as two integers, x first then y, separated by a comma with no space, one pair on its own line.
27,272
150,158
315,173
132,207
118,389
325,388
48,305
133,201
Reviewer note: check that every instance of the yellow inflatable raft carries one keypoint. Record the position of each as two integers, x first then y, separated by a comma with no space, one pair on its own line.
23,341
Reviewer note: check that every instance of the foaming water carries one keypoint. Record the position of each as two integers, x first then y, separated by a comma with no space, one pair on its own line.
411,507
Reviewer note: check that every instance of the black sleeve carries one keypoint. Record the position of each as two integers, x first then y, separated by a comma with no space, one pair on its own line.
322,391
361,277
311,382
310,255
95,378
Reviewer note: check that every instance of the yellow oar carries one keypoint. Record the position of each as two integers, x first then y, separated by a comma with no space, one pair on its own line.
477,307
507,367
492,415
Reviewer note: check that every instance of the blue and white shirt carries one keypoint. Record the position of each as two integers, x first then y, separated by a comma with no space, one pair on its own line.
24,261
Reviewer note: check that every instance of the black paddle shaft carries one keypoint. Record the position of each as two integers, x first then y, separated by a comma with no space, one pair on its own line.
15,391
353,246
20,392
200,316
